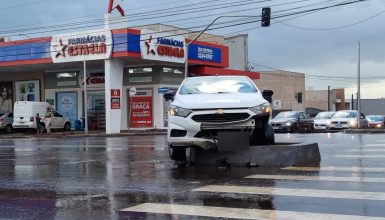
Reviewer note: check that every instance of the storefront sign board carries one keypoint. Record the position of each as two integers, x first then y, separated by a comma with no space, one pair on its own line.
162,47
141,109
80,46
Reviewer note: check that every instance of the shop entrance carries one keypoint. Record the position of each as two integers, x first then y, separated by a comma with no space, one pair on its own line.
96,110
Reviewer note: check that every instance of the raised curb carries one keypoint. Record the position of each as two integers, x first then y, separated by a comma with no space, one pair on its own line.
365,131
279,155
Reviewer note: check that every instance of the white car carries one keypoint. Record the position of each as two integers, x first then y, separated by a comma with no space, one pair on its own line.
346,119
204,109
321,119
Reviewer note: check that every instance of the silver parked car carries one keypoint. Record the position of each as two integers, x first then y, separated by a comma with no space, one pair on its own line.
6,121
321,119
346,119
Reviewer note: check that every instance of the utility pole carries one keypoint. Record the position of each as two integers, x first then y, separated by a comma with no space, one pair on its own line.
359,87
328,98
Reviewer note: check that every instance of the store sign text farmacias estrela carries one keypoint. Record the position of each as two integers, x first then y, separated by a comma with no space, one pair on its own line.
162,47
91,45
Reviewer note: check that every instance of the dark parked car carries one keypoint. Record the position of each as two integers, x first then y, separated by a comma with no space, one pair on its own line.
292,121
6,121
375,121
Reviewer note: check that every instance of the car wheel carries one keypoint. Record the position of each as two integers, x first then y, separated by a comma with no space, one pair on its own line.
67,127
8,129
263,136
177,153
294,128
269,135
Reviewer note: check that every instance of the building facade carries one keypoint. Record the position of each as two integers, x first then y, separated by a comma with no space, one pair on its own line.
121,73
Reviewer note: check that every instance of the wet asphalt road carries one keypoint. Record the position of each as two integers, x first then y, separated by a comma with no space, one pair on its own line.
132,178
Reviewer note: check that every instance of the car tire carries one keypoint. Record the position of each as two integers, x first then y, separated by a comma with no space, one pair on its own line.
294,128
67,126
8,129
263,136
177,153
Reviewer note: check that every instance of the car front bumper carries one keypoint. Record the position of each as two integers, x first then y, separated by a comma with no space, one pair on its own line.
185,132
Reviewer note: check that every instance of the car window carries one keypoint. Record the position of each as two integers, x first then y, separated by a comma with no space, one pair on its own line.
287,115
217,85
375,118
56,114
10,115
344,114
324,115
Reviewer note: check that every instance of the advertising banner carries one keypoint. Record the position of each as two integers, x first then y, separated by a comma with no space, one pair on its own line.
67,105
162,47
80,46
27,91
141,109
6,102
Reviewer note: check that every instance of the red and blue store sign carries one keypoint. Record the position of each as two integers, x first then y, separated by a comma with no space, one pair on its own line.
126,43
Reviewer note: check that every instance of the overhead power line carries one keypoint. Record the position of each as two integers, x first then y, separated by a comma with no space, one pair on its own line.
236,24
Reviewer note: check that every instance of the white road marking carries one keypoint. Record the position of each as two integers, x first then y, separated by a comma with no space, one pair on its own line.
236,213
368,150
330,168
360,156
374,145
319,178
293,192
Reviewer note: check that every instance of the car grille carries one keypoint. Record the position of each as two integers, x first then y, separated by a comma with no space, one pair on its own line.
220,118
276,124
340,123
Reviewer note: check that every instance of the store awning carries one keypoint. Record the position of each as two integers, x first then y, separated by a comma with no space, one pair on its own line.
212,71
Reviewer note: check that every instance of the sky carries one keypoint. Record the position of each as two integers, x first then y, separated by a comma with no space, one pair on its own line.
322,44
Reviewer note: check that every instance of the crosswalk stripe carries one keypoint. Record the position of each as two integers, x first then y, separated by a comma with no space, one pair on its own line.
318,178
367,150
293,192
360,156
330,168
236,213
374,145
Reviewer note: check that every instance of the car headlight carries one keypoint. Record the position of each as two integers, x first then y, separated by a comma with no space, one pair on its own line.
179,111
328,122
288,123
261,109
353,122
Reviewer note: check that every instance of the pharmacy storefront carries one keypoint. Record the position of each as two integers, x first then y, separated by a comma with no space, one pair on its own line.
125,73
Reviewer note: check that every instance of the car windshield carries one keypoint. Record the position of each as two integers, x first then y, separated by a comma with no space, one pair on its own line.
345,115
324,115
217,85
375,118
287,115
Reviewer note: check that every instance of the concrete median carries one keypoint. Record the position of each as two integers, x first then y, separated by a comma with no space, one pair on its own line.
278,155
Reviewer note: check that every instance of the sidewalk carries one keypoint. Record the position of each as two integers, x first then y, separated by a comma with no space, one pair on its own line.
93,133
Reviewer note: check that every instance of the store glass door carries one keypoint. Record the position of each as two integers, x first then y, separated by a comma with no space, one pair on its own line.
96,103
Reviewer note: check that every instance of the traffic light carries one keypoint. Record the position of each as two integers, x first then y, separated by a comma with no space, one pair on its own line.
265,17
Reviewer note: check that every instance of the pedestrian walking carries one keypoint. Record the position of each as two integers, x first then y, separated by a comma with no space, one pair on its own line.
38,124
48,120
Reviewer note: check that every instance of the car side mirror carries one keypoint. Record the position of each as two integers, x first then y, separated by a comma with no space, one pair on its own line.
268,95
169,96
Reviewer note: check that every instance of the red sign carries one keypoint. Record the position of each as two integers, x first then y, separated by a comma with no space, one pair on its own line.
116,4
115,103
141,111
115,93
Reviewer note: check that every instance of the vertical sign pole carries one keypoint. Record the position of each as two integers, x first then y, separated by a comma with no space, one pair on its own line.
85,98
359,87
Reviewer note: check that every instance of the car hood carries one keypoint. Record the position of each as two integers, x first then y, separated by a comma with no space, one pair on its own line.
321,121
214,101
342,119
281,120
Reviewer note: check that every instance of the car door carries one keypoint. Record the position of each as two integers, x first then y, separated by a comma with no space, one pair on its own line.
57,121
301,121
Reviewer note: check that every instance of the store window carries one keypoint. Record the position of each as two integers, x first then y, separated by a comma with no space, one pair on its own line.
140,70
172,70
65,79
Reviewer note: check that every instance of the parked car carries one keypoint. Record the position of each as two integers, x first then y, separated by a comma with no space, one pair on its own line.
25,112
6,121
292,121
320,120
375,121
206,109
346,119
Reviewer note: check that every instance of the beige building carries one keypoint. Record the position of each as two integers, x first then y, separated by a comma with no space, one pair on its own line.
319,99
288,88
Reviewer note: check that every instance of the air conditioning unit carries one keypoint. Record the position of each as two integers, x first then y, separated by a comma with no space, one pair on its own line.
4,39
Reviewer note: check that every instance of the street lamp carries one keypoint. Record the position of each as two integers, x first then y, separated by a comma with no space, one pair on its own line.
200,33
